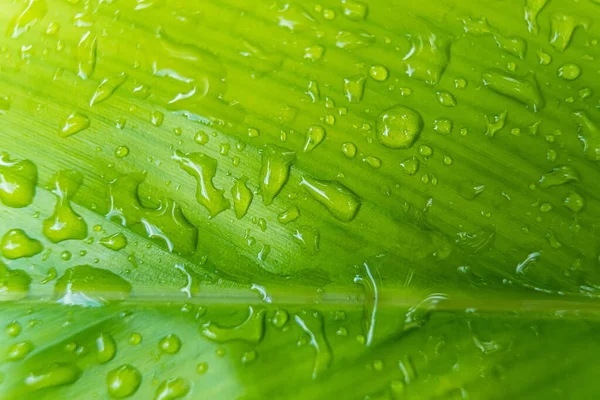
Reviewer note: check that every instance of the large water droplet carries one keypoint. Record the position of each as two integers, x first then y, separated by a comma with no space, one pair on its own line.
204,169
251,330
65,224
16,244
275,171
88,286
18,180
340,201
123,381
399,127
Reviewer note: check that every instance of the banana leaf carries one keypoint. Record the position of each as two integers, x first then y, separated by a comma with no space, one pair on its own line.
337,199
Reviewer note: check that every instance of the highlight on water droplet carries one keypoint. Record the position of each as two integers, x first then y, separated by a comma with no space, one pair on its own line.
106,347
354,88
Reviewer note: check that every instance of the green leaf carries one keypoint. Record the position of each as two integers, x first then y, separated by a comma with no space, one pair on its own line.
299,200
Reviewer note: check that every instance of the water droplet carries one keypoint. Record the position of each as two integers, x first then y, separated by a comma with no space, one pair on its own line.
515,46
569,71
442,126
308,238
314,53
525,89
469,190
18,351
167,219
314,136
201,368
289,215
135,339
34,11
311,322
354,88
172,389
275,171
86,55
589,135
353,40
65,224
106,347
559,176
114,242
574,201
73,124
66,255
204,169
425,151
170,344
446,99
410,165
349,149
107,87
242,197
372,161
14,284
478,241
399,127
251,330
428,57
141,91
532,9
157,118
121,151
562,27
123,381
13,329
249,357
280,318
18,180
378,73
339,200
495,123
56,375
313,91
354,10
88,286
16,244
366,278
